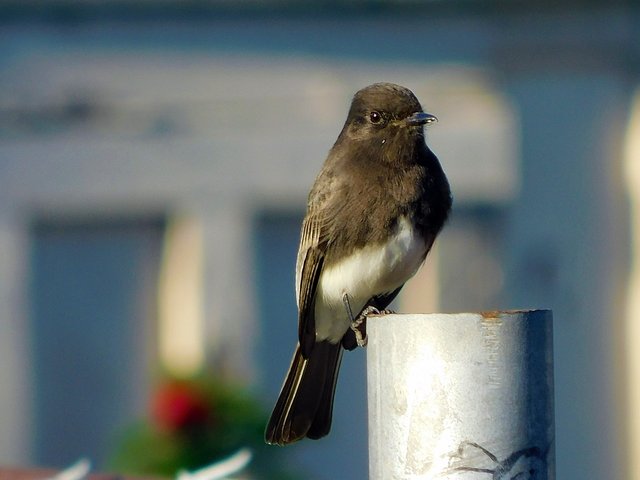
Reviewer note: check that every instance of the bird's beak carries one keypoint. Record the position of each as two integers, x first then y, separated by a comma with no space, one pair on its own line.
421,118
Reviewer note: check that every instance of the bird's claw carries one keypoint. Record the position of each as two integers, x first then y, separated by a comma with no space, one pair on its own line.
359,325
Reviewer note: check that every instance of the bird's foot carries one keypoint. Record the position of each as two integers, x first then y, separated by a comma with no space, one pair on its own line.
359,325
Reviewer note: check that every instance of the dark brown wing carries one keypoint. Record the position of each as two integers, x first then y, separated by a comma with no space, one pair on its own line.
308,269
326,205
326,202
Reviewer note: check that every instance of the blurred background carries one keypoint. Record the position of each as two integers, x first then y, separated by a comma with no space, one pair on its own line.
155,157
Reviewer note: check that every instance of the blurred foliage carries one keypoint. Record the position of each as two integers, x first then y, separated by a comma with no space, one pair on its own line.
194,423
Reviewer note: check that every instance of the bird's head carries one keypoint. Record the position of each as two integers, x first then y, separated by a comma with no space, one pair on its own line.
383,112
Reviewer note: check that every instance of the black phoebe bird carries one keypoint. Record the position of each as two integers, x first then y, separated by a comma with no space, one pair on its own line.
372,215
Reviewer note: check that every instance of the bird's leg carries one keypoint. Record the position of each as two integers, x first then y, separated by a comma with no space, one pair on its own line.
358,325
347,306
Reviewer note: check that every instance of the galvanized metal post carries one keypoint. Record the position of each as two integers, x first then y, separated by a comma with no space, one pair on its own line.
461,396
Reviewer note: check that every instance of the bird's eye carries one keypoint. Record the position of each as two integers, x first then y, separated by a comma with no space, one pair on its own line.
375,117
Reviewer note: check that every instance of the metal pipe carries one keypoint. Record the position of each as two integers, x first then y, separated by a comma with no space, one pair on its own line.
461,396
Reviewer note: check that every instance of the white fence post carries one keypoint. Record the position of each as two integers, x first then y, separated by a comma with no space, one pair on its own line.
461,396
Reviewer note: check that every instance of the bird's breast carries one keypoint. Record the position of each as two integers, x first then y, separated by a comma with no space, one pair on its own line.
372,270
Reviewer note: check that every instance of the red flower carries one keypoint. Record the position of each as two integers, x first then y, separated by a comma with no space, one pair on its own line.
178,405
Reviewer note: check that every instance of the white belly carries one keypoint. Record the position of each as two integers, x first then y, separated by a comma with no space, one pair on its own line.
371,271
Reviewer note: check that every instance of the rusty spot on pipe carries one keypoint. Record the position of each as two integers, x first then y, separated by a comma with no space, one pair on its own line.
495,314
491,314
